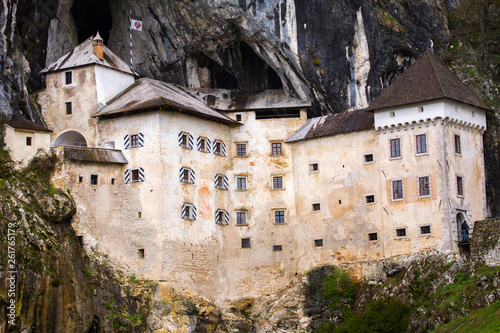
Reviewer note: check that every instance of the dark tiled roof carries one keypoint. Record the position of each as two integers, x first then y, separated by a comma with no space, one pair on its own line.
95,155
83,54
332,124
27,125
148,94
426,80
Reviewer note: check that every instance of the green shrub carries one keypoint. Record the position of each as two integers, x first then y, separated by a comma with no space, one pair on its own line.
340,289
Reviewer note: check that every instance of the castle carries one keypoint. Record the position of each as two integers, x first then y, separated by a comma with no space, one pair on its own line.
230,195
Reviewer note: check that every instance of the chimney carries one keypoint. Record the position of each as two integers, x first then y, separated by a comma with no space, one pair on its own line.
98,46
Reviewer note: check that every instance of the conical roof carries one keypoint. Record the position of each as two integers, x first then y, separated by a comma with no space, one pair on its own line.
426,80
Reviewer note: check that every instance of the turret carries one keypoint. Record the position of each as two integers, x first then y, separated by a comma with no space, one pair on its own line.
98,43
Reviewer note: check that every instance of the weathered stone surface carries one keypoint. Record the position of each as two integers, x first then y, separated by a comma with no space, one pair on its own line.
485,242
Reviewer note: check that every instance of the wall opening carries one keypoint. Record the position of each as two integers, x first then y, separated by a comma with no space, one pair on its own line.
91,16
70,138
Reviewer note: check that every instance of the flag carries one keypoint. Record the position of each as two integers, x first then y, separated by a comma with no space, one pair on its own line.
136,23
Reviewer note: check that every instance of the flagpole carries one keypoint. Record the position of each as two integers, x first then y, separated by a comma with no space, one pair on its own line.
131,46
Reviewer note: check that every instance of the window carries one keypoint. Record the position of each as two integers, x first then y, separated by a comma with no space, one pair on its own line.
395,147
276,148
139,215
238,117
133,141
318,242
241,149
187,175
277,248
184,140
29,140
277,182
113,181
241,183
460,186
400,232
421,142
80,179
140,253
94,179
241,218
222,217
392,114
420,109
134,175
188,211
68,78
218,148
279,216
370,199
316,207
203,145
313,167
245,243
69,108
372,236
221,182
424,186
458,148
425,230
397,189
368,158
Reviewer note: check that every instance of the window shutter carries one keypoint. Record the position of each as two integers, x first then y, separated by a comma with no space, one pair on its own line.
192,176
217,214
127,176
216,180
223,149
191,141
226,183
126,141
193,210
183,212
209,146
214,146
226,217
141,139
141,174
180,139
181,174
198,143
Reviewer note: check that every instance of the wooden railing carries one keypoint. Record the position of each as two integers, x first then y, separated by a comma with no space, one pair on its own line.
464,236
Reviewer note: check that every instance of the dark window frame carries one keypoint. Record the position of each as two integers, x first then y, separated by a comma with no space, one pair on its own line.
458,145
395,148
29,141
278,183
241,183
318,242
241,150
245,243
68,78
421,144
69,108
241,216
460,186
373,236
279,217
276,149
94,179
424,186
397,188
401,232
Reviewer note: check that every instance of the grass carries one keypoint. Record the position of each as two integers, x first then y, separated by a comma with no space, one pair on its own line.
485,320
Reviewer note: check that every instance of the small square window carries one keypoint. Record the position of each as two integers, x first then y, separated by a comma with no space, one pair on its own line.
318,242
140,253
94,179
460,186
277,248
238,117
424,186
203,145
395,146
241,149
372,236
421,144
28,140
245,243
458,148
425,230
370,198
219,182
313,167
113,181
392,114
276,148
68,78
241,183
279,216
368,158
69,108
135,175
420,109
397,190
316,207
277,182
80,179
401,232
139,215
218,148
185,175
241,218
188,212
134,140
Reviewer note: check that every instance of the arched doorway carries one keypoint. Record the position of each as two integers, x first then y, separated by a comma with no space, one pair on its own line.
462,228
70,138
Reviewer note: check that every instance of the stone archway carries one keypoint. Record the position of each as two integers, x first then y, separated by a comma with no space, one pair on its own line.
70,138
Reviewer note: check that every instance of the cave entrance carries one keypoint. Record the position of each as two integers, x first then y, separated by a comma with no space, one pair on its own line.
91,16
